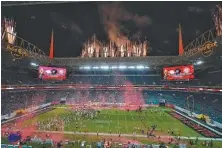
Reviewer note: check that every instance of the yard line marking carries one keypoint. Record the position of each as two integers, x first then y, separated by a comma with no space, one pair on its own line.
134,123
139,119
109,130
124,135
118,123
126,122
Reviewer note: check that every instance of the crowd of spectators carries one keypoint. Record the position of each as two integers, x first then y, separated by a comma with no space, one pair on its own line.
105,143
47,142
12,101
200,103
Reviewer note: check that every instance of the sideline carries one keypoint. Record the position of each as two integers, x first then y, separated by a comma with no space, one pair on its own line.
124,135
24,115
211,129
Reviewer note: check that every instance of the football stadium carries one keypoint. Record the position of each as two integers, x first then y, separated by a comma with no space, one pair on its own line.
114,94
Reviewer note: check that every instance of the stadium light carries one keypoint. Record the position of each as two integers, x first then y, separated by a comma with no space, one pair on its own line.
122,67
105,67
34,64
131,67
96,67
199,62
140,67
114,67
87,67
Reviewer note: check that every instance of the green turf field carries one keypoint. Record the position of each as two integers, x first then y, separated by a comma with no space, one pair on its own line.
115,121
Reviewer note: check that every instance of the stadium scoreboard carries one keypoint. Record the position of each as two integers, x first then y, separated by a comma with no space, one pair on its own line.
178,73
52,73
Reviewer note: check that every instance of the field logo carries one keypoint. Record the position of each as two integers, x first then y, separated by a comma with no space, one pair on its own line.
17,52
9,26
207,48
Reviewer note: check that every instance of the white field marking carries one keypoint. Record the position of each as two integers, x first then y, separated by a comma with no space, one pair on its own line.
79,124
147,119
95,121
153,117
106,115
142,126
108,119
124,135
109,122
126,122
144,112
118,124
153,111
134,123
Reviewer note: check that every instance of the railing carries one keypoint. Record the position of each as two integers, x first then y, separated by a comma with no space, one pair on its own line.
33,51
72,83
111,87
23,48
194,47
24,3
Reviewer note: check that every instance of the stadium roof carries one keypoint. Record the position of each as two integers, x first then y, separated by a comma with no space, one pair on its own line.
19,3
151,61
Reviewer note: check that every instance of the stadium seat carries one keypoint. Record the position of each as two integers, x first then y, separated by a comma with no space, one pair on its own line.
4,145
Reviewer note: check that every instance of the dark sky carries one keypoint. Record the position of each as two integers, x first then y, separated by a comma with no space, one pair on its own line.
74,23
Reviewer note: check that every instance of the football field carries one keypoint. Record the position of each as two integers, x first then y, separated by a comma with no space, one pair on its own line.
114,121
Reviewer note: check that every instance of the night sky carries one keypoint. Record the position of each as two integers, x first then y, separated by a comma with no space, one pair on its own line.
73,23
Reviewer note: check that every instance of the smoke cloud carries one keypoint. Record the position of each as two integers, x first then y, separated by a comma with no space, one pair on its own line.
65,23
112,14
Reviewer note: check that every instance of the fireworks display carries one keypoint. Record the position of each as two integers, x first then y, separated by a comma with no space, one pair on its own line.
95,48
119,44
217,16
8,30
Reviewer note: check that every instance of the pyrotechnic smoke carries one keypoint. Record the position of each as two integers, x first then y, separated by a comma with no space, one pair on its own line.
40,98
217,16
94,42
65,23
131,97
3,29
112,14
9,26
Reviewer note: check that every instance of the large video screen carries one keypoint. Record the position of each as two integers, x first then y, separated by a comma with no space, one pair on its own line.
52,73
178,73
